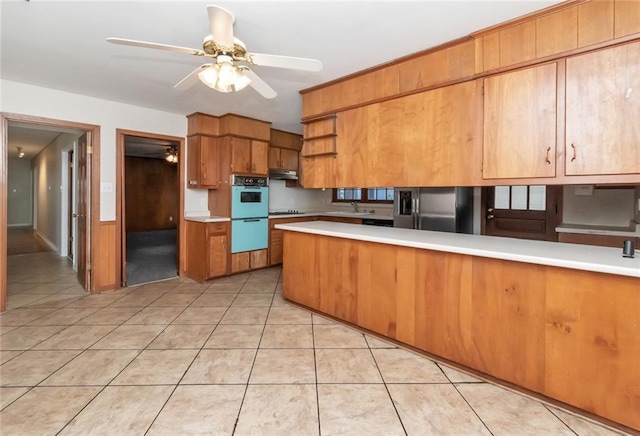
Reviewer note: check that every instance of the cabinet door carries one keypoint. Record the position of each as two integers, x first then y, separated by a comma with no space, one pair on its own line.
208,163
520,124
603,112
202,169
241,155
274,158
240,262
218,255
259,258
289,159
275,247
259,152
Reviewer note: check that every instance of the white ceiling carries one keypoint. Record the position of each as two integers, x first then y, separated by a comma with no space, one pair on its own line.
31,138
61,45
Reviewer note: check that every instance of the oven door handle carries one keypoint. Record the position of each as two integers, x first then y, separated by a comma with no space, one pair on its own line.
252,220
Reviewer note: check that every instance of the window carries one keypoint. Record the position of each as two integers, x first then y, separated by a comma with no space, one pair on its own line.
363,195
520,197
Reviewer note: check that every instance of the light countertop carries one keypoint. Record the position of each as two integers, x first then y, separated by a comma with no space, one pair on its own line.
632,232
208,219
575,256
342,214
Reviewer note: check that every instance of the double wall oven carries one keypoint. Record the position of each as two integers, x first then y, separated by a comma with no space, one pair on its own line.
249,213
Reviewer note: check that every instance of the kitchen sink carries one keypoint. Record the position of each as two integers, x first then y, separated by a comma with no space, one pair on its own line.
339,213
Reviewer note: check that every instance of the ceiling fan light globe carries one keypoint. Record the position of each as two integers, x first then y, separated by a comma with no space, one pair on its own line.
224,88
226,74
209,76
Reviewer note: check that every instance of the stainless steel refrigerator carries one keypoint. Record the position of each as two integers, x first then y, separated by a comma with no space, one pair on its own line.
439,209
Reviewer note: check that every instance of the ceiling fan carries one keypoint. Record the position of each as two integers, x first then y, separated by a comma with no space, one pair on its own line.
230,69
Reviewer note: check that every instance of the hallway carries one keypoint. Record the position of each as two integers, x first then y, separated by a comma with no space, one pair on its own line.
24,240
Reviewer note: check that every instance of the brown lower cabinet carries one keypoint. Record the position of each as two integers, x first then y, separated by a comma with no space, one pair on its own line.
275,236
248,260
601,240
566,334
207,254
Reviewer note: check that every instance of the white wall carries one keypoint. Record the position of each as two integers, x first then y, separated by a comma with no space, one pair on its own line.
25,99
47,168
606,207
19,195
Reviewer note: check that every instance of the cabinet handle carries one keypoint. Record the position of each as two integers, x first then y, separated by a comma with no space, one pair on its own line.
573,147
547,158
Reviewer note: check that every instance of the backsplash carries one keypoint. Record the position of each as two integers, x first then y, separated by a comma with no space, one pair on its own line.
283,198
606,207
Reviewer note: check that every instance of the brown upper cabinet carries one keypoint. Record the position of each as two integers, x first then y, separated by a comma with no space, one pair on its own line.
603,112
202,168
248,156
520,123
284,148
426,139
283,159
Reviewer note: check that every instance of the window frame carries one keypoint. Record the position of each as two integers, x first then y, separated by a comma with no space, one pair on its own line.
364,192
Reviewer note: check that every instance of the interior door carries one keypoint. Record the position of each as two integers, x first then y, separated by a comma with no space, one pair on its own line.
526,212
70,241
82,212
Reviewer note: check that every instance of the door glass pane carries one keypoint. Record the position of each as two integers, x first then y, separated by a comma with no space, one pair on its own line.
519,197
502,197
537,198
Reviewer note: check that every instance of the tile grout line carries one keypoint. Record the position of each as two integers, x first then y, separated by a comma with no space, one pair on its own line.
386,388
467,402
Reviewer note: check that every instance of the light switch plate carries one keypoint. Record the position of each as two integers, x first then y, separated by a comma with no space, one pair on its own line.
106,187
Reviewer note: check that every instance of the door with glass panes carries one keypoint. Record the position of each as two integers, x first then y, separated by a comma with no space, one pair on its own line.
526,212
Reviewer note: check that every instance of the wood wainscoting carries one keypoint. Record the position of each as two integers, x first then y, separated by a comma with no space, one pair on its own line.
104,265
563,334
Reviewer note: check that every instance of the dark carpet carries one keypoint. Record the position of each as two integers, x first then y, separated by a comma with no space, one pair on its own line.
151,256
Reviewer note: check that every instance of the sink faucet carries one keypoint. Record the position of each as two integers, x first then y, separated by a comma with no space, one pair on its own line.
355,207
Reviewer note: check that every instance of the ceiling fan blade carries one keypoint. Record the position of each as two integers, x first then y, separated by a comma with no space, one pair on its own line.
269,60
175,48
260,85
221,21
191,79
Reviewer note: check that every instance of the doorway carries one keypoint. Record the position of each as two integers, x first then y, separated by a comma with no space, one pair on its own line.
87,142
526,212
149,206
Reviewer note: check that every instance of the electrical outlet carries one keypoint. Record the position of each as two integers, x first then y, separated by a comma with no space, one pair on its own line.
203,202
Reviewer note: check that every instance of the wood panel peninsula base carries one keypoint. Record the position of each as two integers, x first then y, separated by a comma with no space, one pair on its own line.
570,333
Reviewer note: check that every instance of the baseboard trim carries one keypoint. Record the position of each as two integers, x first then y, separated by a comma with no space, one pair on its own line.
53,246
20,225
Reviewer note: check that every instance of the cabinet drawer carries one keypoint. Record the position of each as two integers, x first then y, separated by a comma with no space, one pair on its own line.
214,228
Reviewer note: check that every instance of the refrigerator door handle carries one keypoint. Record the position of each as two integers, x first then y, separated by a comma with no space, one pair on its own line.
416,212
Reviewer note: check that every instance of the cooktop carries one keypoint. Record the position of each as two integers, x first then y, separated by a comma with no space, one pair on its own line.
286,212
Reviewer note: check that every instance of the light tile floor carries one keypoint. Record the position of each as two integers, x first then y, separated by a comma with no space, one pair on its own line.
227,357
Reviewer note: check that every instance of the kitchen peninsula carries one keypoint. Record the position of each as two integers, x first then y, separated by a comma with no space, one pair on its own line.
559,320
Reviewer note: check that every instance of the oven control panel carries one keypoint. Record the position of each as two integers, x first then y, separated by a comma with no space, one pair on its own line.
249,181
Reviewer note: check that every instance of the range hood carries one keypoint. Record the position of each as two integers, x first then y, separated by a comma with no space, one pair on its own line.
283,174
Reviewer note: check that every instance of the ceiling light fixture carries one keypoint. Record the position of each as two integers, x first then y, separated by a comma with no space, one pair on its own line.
224,76
172,155
20,152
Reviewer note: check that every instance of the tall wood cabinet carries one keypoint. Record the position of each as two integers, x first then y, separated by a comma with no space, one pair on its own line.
603,112
520,124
